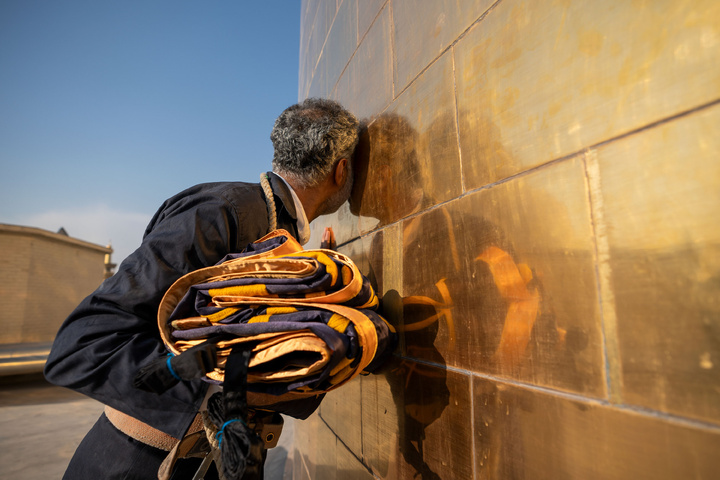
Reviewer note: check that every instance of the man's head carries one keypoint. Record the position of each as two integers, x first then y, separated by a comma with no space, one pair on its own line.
310,138
314,144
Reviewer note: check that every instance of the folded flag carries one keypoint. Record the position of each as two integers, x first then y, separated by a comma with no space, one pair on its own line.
278,327
308,317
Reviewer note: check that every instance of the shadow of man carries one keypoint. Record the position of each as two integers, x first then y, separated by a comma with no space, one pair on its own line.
464,294
388,187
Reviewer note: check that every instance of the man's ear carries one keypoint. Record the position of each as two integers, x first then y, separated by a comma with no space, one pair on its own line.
341,171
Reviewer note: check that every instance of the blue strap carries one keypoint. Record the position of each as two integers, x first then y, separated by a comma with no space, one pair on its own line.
219,435
169,366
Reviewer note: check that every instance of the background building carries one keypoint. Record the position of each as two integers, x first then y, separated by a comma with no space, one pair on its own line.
43,277
539,208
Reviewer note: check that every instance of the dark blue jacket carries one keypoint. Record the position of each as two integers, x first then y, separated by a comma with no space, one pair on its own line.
113,332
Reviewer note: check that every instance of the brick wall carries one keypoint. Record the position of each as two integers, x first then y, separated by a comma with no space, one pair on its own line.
43,277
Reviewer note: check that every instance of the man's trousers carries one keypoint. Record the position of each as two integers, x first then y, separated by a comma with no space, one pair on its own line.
108,454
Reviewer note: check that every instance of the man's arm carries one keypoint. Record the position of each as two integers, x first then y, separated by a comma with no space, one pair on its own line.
113,332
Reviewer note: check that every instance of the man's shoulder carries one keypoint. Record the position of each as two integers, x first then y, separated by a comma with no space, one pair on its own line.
210,196
219,188
234,193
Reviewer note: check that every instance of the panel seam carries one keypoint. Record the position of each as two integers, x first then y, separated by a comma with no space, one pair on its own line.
603,273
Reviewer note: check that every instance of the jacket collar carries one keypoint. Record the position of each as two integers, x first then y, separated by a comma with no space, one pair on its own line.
293,205
282,191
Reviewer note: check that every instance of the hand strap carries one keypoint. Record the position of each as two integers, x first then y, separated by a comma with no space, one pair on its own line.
241,447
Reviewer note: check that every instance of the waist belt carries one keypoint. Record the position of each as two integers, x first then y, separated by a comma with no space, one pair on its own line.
197,442
142,432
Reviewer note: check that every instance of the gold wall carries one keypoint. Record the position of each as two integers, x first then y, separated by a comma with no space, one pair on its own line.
538,201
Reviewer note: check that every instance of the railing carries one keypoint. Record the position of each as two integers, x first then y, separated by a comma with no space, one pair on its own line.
23,358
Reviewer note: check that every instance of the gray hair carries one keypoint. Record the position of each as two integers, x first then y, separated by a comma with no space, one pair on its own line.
310,137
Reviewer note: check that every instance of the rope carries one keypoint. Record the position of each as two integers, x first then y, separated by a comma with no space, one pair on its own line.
270,200
211,430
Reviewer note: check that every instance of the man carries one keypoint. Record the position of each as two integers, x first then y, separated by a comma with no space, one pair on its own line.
113,333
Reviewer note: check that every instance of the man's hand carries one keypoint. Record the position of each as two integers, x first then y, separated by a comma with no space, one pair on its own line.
195,362
328,239
165,372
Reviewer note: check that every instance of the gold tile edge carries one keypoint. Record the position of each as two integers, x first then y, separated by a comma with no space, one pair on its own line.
445,50
603,272
473,438
361,37
648,413
392,250
599,144
340,443
303,463
465,193
393,53
535,168
463,188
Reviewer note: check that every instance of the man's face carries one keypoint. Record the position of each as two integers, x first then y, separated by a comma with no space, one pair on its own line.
336,200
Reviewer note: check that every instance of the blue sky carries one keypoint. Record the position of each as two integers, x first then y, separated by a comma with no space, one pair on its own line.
107,108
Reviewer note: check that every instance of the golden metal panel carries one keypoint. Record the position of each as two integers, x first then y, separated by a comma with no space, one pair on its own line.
541,80
379,425
339,47
317,448
384,253
307,14
306,437
660,195
308,9
343,223
339,409
360,250
366,87
327,48
367,11
424,28
409,159
417,422
325,13
349,467
317,23
319,84
379,257
526,434
299,471
503,281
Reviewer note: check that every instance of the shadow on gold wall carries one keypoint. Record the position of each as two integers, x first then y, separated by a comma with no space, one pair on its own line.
464,297
536,208
387,174
388,186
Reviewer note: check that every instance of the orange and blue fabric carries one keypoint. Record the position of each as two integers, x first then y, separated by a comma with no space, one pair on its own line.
309,317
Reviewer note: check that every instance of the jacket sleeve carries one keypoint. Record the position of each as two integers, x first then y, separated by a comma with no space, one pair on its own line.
113,332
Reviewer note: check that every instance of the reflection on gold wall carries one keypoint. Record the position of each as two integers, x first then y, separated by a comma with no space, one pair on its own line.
537,200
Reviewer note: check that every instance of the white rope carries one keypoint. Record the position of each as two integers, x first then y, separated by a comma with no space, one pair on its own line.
270,200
